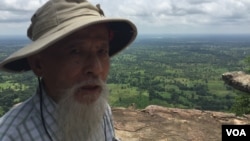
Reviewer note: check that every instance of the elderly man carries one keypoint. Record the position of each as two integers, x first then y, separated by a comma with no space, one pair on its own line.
70,53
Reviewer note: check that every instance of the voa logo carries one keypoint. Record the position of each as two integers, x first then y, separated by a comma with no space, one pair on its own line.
236,132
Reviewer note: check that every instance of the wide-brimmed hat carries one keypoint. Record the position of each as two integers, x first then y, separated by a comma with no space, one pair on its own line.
57,19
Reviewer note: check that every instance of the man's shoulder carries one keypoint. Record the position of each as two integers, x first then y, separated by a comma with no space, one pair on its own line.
16,116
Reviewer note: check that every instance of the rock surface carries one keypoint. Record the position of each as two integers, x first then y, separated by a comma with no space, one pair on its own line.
238,80
156,123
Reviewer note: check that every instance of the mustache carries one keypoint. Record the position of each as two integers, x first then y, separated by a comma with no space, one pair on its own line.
92,82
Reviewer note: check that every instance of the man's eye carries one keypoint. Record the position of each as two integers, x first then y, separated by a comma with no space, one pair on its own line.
74,51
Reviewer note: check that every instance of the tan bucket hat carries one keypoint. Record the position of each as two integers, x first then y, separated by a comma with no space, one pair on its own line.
57,19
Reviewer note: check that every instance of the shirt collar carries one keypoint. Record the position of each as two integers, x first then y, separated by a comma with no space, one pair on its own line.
49,105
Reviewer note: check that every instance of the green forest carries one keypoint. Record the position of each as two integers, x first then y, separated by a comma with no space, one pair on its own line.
171,71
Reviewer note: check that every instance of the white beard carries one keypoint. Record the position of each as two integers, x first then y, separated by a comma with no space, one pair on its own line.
82,122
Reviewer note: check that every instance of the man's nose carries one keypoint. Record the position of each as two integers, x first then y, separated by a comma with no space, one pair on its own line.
93,65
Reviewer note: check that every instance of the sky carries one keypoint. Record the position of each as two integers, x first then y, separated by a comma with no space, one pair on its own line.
150,16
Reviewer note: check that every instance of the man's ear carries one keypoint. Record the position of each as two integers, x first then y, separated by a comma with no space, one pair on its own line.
35,64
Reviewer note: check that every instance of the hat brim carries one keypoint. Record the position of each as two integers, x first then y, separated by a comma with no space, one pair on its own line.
124,33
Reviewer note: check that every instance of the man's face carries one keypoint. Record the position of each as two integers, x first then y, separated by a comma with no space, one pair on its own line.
81,58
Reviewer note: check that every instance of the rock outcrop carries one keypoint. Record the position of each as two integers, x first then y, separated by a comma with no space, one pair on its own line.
156,123
238,80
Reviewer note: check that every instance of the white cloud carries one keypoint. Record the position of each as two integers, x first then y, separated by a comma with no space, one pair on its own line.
17,11
19,5
168,16
190,13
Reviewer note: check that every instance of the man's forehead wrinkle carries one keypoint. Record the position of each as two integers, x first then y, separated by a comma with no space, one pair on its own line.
88,35
72,41
76,44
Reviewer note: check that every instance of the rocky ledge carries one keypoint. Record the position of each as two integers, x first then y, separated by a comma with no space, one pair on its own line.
156,123
238,80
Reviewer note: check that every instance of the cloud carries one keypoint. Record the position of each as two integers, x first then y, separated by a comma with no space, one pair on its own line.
185,11
154,16
16,11
18,5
